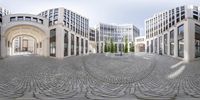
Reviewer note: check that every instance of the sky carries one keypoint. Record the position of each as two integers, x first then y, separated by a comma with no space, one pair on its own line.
104,11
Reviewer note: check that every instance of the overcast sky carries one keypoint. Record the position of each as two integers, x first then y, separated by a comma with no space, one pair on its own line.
105,11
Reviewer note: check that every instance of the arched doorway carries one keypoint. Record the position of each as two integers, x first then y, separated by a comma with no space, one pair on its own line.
23,45
25,39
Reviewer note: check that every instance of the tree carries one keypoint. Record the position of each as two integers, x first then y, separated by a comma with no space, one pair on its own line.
111,46
115,48
126,45
132,47
108,47
105,47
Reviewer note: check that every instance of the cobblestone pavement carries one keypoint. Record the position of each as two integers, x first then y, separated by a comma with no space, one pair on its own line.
99,76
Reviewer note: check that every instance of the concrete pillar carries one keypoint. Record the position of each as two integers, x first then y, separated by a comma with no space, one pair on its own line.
154,49
162,43
168,43
79,45
175,42
74,44
59,42
189,40
3,46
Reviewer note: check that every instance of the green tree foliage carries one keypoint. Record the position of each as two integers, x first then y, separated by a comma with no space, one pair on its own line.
132,47
126,45
115,48
108,47
112,49
105,47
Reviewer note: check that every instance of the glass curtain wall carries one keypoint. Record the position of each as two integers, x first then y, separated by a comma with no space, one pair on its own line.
81,46
72,44
197,41
172,42
165,44
160,45
66,43
77,45
53,42
156,45
181,41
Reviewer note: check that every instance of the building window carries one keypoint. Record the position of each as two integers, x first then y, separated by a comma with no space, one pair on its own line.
151,46
50,23
12,19
35,19
197,41
181,41
82,46
20,18
165,44
160,45
40,21
172,42
72,44
65,43
156,45
28,18
53,42
77,45
195,17
86,46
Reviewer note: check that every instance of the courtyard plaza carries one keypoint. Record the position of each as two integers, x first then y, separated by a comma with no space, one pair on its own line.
138,76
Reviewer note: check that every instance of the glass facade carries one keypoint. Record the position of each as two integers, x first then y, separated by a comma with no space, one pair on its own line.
72,44
172,42
77,45
197,41
165,44
160,45
151,46
82,46
86,46
181,41
156,47
65,43
53,42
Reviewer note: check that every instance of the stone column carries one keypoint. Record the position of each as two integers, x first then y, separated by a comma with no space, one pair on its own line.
59,42
3,47
163,44
168,43
189,40
80,45
175,42
74,44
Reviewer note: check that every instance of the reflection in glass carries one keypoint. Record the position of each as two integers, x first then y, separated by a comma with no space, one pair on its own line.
172,42
181,41
53,42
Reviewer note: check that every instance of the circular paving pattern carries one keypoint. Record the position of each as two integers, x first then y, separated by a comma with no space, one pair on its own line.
124,69
141,76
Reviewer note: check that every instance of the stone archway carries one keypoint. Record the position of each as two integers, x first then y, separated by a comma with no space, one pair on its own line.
39,36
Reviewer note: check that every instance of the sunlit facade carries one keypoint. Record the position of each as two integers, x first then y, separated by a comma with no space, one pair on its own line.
117,33
56,32
175,32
